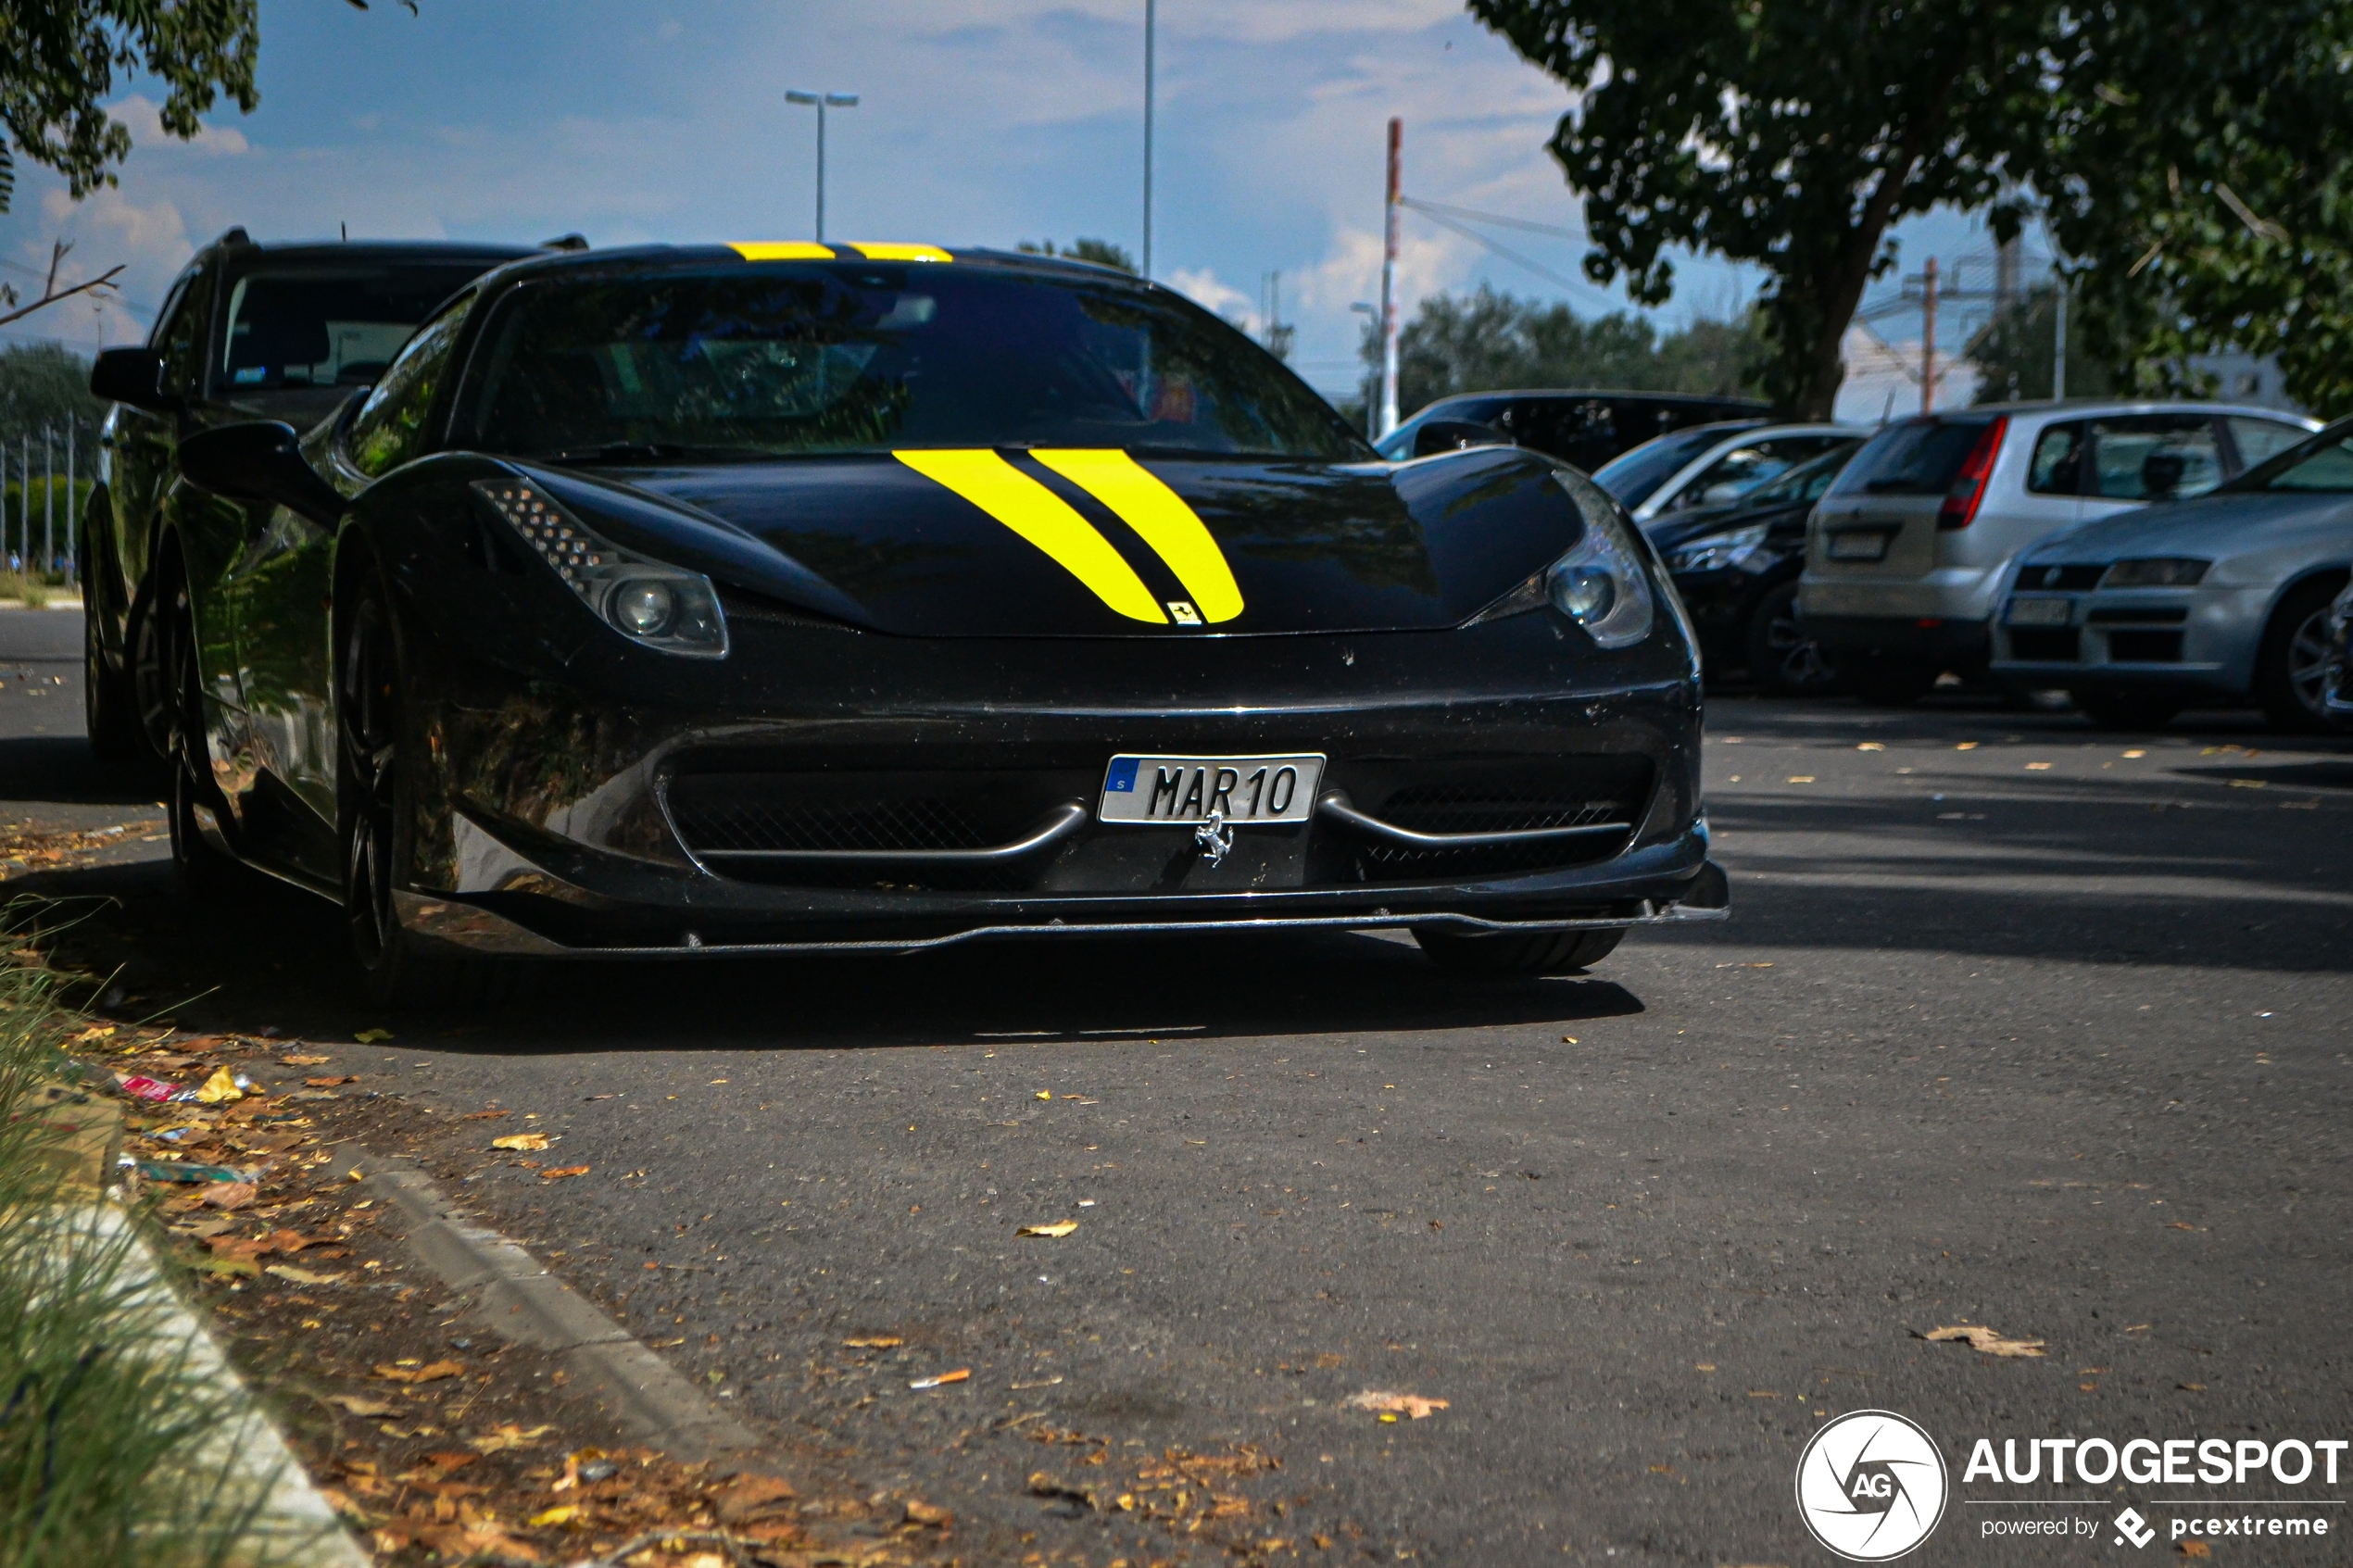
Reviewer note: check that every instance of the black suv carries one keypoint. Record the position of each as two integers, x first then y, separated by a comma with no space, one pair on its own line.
248,331
1584,428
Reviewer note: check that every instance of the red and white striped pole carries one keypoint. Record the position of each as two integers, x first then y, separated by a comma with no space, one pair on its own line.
1388,279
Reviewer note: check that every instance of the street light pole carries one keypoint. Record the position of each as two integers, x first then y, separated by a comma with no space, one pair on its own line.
821,101
1151,22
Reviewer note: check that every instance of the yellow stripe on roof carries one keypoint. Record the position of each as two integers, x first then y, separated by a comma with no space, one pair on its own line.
902,253
781,250
1045,520
1144,503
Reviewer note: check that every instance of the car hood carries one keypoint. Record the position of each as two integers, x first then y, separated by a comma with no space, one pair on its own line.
2209,526
1099,543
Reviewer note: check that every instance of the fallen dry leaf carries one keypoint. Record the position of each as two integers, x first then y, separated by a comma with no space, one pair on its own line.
330,1082
875,1342
958,1375
1976,1336
370,1036
433,1373
301,1277
2196,1549
228,1195
521,1140
921,1512
1381,1402
560,1174
360,1404
562,1513
751,1497
485,1115
504,1436
304,1061
1059,1227
220,1087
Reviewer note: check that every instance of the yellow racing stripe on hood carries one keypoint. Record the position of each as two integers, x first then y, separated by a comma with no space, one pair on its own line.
1141,500
1045,520
902,253
781,250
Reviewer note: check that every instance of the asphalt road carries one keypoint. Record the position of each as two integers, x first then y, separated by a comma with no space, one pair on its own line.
2014,1024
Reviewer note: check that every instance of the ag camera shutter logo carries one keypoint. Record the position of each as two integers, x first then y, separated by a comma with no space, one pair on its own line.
1871,1486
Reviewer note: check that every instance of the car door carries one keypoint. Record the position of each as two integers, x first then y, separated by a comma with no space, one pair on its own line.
139,443
283,590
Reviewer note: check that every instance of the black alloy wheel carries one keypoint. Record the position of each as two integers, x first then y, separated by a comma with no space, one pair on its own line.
1782,660
106,711
374,792
147,655
2292,669
1509,953
208,873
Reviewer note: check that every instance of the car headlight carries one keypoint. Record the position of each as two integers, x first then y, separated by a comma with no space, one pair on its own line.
1600,584
2163,571
1716,554
647,601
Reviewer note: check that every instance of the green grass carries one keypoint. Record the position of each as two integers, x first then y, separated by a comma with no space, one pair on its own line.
109,1447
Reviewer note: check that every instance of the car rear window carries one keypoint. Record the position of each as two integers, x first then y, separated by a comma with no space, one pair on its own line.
1918,457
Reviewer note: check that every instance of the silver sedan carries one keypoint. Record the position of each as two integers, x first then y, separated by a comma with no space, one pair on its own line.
2217,600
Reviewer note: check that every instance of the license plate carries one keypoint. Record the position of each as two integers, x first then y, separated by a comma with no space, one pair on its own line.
2041,612
1191,789
1859,545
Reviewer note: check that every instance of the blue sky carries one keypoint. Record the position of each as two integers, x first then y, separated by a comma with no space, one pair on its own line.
982,121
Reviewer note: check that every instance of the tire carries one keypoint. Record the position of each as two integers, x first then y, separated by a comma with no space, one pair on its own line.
1782,660
209,875
155,706
2294,660
2126,711
106,710
1538,952
376,791
1892,682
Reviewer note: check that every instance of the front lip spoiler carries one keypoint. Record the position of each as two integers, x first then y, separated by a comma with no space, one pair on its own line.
1054,827
1335,804
443,921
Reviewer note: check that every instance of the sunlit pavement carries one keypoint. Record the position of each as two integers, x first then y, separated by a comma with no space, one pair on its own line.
2015,1024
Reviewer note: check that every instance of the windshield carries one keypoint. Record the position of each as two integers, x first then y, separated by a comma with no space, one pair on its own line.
2326,462
1807,482
784,359
1918,456
1633,476
326,325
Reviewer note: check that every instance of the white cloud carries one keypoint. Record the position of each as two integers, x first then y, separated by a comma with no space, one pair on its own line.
144,118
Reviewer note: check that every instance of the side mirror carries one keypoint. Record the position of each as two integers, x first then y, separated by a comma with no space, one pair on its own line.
133,376
261,460
1447,436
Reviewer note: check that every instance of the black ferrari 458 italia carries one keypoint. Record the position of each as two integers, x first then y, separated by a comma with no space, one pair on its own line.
678,601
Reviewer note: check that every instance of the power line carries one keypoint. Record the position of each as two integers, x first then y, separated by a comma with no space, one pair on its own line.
1507,254
1475,216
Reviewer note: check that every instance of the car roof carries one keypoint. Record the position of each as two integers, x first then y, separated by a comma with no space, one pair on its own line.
657,259
2093,407
1615,394
374,250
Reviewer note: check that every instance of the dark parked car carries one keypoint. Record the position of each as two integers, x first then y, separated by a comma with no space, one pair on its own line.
1582,429
267,331
1737,568
674,601
2336,687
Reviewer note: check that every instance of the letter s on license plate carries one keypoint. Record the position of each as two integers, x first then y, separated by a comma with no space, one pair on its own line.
1190,789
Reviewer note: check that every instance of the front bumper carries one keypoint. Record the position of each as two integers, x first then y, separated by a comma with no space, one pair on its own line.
2192,642
1952,643
829,790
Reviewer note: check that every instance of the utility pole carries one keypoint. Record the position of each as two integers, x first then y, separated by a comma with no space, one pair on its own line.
1389,278
2006,275
822,101
1151,27
1928,337
48,492
2059,343
69,492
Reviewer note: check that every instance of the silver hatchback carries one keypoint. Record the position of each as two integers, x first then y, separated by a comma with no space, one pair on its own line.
1907,554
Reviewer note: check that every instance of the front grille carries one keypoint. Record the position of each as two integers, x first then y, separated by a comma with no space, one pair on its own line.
2153,616
1505,800
719,814
2145,647
2046,644
2074,578
718,825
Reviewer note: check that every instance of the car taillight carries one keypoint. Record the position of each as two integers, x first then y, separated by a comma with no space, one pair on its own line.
1968,486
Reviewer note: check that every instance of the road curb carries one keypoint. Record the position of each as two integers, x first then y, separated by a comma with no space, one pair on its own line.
248,1450
517,1297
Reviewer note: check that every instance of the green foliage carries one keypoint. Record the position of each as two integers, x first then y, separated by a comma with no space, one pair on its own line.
1791,135
1102,253
43,384
2208,198
1488,341
59,61
2013,353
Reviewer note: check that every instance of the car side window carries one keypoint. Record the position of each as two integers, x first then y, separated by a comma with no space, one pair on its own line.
2057,468
389,428
2261,439
2155,457
181,340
